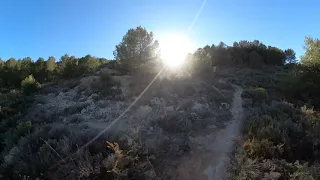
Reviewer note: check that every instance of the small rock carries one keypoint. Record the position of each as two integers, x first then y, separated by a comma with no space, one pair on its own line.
156,101
271,176
225,105
275,175
169,108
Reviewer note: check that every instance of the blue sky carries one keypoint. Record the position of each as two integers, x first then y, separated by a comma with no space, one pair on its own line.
41,28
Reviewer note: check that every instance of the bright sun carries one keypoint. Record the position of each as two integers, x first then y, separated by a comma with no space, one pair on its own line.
174,49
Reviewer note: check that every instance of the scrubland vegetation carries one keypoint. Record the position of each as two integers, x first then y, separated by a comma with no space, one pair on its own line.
281,133
50,109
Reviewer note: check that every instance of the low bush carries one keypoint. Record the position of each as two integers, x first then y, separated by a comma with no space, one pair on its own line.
247,168
172,123
258,95
49,153
262,148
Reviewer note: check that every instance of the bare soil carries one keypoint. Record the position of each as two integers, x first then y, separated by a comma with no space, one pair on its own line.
210,152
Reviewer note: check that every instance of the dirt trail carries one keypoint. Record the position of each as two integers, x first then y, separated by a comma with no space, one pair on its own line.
210,153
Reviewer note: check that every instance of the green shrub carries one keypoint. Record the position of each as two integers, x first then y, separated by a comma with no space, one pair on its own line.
29,85
265,127
302,84
23,128
258,95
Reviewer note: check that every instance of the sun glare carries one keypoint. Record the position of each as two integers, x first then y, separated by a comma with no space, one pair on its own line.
174,49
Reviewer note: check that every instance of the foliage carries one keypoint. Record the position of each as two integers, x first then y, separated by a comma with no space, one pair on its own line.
200,60
290,56
136,49
270,169
302,85
51,64
243,53
67,66
89,64
302,172
255,60
312,54
262,148
29,85
39,69
245,168
258,95
13,71
283,133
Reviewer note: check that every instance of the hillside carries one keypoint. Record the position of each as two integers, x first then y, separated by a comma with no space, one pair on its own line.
246,111
173,121
183,127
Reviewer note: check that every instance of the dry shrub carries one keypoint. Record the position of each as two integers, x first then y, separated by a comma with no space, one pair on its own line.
174,123
302,172
270,169
106,86
245,168
33,154
262,148
284,134
49,152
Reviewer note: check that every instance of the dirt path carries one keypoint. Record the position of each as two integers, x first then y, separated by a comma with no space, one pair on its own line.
210,153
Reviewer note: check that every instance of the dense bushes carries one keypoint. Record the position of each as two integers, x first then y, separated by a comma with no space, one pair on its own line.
272,169
282,135
302,85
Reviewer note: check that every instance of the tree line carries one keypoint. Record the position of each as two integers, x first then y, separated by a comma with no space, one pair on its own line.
138,48
243,54
13,71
